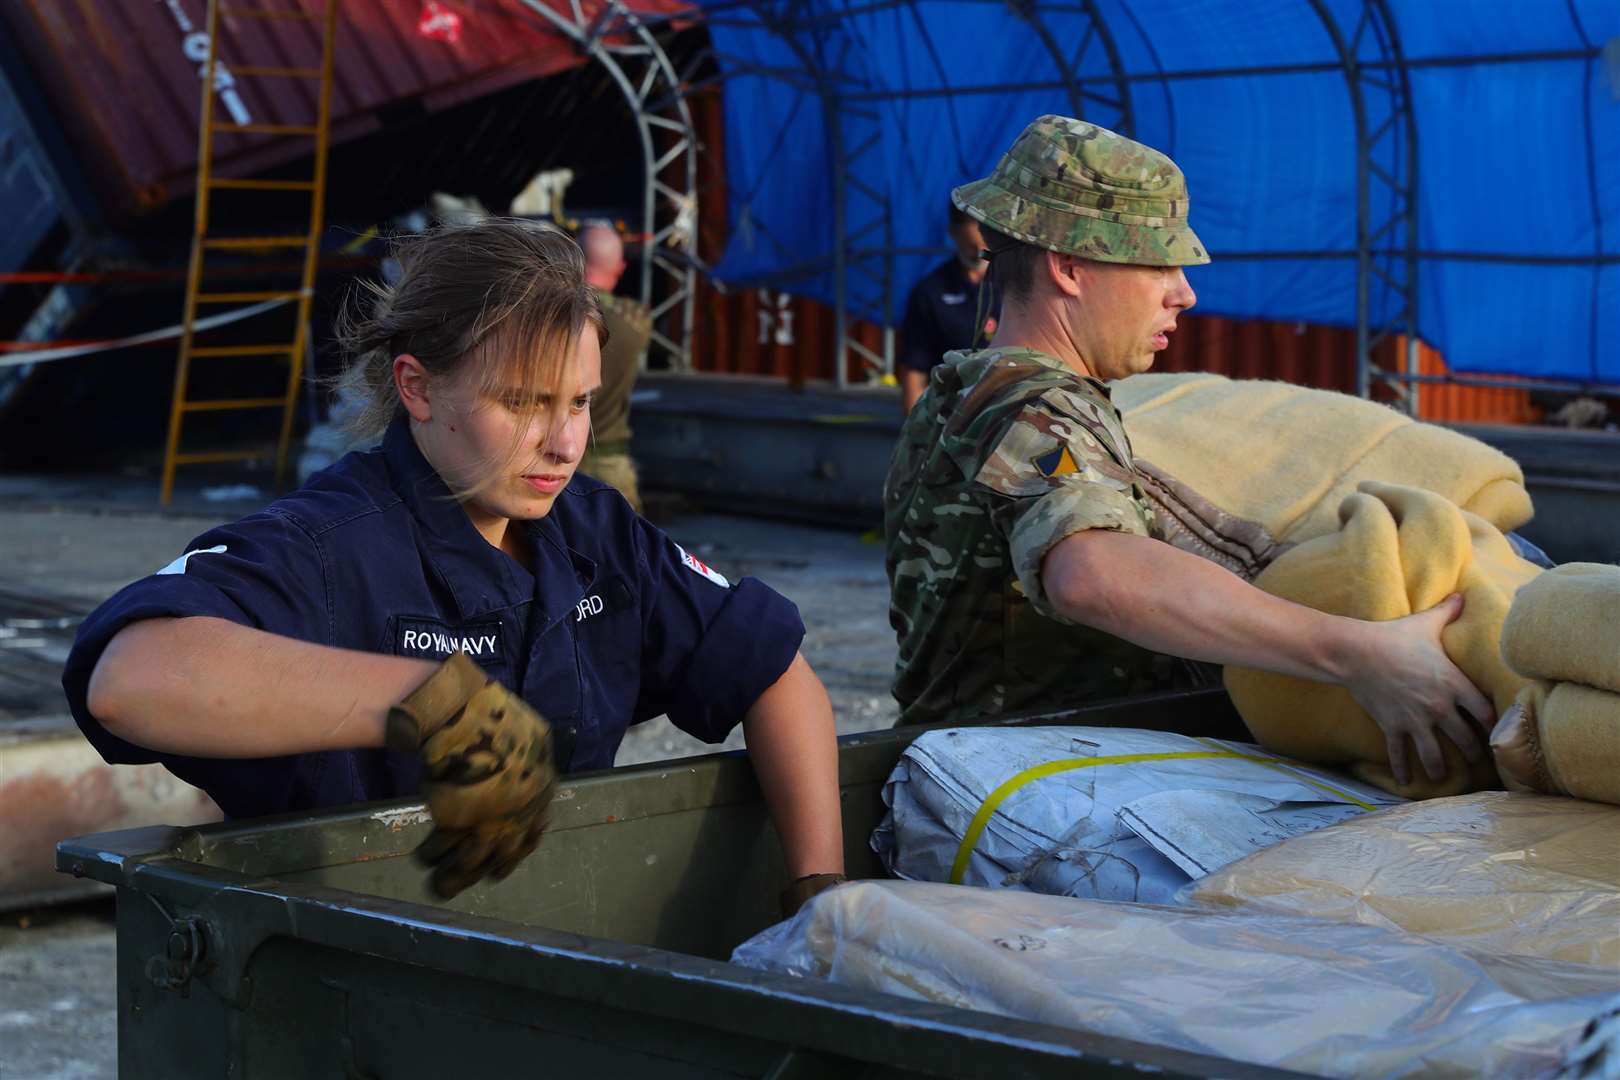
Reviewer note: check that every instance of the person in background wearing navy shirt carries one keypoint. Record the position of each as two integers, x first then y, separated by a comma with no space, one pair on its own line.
457,612
941,310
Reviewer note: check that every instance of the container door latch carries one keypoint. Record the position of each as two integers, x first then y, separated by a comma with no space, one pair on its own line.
185,953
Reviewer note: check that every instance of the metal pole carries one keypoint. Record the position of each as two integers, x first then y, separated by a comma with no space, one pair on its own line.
1358,108
589,37
1376,16
835,136
1414,374
312,251
1502,382
1413,285
205,143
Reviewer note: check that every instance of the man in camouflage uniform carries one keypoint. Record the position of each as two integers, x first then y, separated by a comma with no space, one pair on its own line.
1022,562
629,327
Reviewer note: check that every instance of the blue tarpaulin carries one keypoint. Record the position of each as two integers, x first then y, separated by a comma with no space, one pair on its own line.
1515,106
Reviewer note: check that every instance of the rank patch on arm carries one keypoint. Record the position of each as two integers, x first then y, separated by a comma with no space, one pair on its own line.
179,565
1058,463
697,566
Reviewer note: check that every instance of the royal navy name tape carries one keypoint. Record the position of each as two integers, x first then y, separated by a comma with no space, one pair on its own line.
422,638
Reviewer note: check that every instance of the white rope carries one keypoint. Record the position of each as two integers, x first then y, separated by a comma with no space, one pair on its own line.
40,356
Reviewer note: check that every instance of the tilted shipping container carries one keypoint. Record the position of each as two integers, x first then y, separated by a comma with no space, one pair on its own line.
121,76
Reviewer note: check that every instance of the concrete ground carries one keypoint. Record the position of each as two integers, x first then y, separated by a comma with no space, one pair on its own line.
58,1008
78,541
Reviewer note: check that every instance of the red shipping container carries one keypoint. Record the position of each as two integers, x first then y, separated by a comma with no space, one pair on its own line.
121,76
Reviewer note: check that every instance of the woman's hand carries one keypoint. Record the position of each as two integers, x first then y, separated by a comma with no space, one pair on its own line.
488,772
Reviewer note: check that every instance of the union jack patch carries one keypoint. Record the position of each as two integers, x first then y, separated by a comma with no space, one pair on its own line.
698,566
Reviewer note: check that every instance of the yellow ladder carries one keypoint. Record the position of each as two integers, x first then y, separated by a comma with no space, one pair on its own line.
202,242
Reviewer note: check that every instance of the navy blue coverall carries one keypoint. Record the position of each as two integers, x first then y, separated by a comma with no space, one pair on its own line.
617,624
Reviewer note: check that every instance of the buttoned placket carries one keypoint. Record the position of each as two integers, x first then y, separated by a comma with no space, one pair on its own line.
482,581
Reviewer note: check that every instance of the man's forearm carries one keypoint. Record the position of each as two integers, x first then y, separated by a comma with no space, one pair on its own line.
912,385
1164,599
209,687
793,744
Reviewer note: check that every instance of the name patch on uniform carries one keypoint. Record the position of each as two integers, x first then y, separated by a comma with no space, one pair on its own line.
953,298
591,605
436,641
697,566
614,596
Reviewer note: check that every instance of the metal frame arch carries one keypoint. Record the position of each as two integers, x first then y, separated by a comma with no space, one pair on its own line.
1387,32
845,119
593,34
1401,181
784,21
1030,11
846,103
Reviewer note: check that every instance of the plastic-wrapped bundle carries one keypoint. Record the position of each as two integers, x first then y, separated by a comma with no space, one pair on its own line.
1336,999
1105,813
1521,875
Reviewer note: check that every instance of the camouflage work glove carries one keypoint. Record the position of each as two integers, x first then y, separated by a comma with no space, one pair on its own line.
797,894
489,774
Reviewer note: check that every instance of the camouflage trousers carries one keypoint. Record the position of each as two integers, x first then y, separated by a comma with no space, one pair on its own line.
612,464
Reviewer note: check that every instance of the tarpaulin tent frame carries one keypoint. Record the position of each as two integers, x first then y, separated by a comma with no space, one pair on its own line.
1369,54
625,43
1385,130
851,133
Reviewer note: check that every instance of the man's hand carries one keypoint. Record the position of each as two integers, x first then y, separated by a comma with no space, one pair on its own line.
1410,687
489,772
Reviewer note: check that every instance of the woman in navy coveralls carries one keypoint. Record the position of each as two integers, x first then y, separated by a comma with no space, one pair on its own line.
262,664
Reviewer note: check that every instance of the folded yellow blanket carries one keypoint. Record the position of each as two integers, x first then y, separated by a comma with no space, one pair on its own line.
1285,456
1565,627
1493,872
1563,740
1397,551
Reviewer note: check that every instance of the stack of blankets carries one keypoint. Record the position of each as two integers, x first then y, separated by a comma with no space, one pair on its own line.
1562,736
1348,507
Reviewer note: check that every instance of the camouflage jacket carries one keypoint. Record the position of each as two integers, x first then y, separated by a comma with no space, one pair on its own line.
1008,452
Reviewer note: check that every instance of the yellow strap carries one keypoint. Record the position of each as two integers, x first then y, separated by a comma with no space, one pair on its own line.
1040,772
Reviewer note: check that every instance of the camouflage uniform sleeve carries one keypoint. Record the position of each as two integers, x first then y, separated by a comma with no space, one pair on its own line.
1063,466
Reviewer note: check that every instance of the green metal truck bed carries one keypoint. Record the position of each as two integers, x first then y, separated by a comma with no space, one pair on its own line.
309,945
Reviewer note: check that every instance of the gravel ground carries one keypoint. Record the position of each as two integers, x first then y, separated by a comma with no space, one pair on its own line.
837,580
58,1009
57,1006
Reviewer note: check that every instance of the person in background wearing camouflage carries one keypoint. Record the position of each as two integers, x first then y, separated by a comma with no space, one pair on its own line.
629,328
1022,559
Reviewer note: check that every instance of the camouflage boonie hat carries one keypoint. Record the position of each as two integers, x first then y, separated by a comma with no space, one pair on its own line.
1080,189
